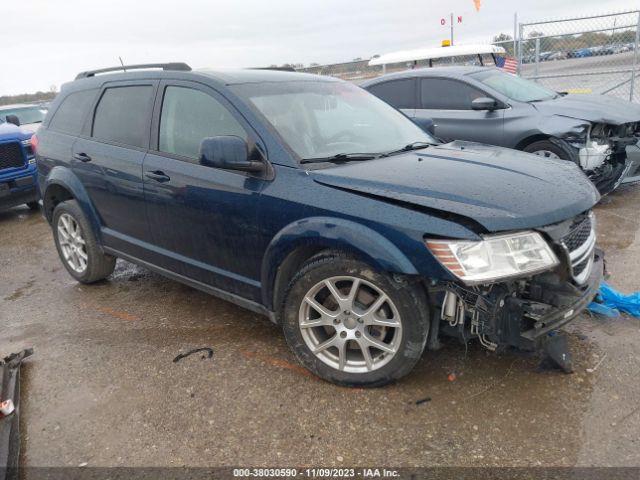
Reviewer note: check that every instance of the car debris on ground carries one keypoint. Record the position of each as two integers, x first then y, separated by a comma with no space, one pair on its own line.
9,413
207,350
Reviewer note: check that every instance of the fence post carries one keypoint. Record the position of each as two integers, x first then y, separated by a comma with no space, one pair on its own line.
515,34
635,60
519,69
537,58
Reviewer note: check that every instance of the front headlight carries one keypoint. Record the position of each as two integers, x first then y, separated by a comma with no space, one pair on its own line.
495,257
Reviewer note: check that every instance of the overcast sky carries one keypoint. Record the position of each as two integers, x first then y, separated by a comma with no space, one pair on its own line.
46,42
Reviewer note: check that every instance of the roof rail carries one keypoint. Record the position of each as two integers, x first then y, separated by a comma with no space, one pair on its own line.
181,67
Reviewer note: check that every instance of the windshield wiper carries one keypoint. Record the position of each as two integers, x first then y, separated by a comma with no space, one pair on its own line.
408,148
341,157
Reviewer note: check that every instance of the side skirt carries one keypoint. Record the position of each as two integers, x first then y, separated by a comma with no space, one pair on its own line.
216,292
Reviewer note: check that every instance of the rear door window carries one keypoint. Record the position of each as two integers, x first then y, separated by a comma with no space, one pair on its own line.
397,93
123,115
70,116
188,116
445,94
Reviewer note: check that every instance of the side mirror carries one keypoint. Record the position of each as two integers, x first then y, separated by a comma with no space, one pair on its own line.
426,124
228,152
13,119
484,103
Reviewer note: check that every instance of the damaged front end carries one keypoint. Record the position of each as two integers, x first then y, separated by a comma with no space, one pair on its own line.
608,154
519,313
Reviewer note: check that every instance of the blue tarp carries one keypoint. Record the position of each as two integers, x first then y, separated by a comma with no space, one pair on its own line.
610,302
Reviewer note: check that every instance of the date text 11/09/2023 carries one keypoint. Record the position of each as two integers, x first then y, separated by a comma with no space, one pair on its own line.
315,472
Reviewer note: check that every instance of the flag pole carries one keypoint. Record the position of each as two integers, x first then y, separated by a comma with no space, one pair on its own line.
451,29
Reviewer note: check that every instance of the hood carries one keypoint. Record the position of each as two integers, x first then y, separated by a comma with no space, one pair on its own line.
499,188
593,108
9,131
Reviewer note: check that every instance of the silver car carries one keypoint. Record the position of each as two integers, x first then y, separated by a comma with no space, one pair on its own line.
487,105
27,116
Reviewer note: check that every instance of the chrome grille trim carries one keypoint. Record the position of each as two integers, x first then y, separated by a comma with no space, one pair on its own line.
584,252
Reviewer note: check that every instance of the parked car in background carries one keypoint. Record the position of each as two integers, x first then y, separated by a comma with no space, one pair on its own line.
543,56
17,168
600,134
29,117
558,56
308,200
581,53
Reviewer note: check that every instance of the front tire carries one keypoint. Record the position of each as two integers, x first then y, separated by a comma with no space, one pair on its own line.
351,325
77,245
545,148
604,184
33,205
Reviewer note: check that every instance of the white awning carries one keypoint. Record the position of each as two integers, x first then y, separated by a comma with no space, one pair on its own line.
433,53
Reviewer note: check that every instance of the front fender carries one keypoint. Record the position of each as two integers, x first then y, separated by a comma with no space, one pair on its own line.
333,233
65,178
561,126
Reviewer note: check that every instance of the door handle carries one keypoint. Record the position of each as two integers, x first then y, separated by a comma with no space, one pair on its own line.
83,157
158,176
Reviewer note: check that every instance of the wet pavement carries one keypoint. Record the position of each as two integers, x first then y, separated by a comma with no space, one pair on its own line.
102,387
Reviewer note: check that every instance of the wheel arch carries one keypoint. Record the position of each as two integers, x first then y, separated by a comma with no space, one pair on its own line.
531,139
301,240
61,185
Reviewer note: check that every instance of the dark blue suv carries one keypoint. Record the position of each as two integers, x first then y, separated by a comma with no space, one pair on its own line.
313,202
17,168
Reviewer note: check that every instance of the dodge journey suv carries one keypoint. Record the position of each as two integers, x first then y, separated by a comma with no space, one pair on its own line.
311,201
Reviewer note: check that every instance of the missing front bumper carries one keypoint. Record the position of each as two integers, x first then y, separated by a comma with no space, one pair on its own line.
517,315
568,302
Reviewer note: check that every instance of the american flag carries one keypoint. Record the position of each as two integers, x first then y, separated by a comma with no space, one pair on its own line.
509,64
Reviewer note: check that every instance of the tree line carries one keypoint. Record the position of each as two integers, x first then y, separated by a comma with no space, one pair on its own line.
27,98
567,43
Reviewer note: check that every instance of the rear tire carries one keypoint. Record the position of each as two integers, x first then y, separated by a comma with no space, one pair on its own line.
77,245
366,337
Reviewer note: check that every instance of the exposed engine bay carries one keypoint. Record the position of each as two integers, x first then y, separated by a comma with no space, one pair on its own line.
601,152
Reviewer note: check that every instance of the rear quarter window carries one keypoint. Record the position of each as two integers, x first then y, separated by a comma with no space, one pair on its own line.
72,112
123,115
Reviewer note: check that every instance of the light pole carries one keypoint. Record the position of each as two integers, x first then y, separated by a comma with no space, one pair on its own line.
451,38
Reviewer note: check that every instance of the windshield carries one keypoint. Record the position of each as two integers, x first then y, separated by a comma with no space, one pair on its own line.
326,119
513,87
26,115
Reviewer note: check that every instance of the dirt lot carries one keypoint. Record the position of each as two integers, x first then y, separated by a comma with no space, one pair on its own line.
102,387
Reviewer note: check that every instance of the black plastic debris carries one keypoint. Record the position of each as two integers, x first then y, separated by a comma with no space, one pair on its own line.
557,355
209,353
423,400
10,424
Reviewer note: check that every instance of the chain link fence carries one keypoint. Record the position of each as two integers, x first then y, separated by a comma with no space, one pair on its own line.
359,70
595,54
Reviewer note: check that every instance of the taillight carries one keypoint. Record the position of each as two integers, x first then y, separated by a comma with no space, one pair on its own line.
34,143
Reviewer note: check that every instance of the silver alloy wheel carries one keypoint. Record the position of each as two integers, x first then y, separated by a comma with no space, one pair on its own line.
545,153
72,243
350,324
